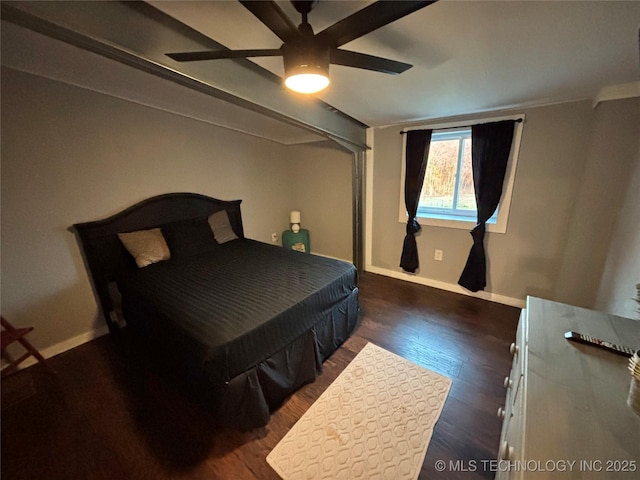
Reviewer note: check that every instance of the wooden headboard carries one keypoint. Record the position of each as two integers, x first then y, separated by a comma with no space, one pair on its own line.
106,258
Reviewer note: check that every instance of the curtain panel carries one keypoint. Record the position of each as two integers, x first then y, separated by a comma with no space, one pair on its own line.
490,148
417,149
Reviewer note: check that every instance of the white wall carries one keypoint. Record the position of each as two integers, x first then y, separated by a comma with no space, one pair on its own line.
611,160
71,155
322,192
559,144
617,293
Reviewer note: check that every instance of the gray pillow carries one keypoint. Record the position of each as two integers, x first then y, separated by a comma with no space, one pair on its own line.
219,223
187,238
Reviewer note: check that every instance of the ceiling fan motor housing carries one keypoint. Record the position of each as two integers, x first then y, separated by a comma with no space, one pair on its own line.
304,57
304,6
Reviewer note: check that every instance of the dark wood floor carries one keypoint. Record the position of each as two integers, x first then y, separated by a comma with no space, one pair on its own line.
108,414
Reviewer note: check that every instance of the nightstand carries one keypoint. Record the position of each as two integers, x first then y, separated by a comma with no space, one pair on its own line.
296,241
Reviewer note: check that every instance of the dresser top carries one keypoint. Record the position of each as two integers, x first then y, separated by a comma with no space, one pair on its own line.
576,399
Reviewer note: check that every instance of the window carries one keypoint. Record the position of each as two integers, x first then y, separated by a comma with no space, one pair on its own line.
448,197
448,184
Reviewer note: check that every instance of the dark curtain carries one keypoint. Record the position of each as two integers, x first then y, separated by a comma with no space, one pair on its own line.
490,147
416,164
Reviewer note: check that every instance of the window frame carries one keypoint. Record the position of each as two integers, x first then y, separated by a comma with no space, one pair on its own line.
497,224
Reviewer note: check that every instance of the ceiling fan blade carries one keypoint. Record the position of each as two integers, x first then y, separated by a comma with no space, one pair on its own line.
367,20
367,62
269,13
219,54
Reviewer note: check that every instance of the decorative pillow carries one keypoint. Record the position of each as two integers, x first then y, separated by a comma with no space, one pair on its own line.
222,231
189,237
146,246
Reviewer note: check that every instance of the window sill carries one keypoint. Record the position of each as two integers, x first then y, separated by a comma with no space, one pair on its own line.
449,221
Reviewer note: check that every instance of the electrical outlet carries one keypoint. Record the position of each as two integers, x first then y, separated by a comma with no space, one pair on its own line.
438,255
274,237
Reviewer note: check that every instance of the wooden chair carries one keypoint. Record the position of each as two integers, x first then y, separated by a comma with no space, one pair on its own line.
9,335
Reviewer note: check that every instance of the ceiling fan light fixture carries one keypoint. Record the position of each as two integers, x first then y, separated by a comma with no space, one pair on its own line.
307,80
306,70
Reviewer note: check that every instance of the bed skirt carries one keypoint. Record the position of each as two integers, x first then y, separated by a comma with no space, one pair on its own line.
247,400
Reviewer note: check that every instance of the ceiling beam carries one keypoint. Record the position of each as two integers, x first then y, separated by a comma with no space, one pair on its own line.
139,35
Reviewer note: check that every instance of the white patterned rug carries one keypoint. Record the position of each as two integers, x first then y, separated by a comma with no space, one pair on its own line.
373,422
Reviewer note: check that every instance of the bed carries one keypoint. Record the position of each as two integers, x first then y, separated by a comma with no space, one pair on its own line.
243,322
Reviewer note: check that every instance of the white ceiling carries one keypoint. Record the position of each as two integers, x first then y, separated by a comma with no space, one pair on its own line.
468,56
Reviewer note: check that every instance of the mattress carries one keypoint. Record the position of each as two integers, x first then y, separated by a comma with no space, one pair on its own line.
223,312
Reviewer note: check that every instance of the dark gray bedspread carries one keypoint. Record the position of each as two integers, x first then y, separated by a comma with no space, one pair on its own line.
225,311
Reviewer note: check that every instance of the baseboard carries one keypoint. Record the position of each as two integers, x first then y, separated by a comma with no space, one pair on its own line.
54,350
492,297
329,256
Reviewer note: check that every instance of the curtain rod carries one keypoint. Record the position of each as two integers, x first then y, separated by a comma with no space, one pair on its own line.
517,120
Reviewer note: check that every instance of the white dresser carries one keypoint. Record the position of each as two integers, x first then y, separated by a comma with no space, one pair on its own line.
565,413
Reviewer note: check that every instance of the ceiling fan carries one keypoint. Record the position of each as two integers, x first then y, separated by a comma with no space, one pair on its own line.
307,55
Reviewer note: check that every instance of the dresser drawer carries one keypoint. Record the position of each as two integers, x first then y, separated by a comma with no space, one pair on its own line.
513,380
510,447
517,348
